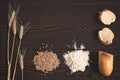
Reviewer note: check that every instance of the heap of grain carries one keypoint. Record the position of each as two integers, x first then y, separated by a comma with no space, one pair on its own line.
46,61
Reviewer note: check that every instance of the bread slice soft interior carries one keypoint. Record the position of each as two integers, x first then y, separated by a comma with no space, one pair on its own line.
107,17
106,36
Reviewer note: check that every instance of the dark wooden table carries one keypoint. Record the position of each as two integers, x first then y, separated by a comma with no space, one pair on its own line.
58,23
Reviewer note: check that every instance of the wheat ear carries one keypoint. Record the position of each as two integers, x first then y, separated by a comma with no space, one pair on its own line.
20,37
21,32
21,61
11,19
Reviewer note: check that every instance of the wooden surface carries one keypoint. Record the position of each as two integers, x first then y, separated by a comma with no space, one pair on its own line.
57,23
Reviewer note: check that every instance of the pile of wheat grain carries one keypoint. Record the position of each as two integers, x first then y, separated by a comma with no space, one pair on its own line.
46,61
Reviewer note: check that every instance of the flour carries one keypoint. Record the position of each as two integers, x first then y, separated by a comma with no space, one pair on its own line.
77,60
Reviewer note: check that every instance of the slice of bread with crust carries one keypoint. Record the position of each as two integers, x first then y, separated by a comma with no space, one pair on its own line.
107,17
106,36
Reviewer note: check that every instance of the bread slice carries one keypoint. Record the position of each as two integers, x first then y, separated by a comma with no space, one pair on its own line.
107,17
106,36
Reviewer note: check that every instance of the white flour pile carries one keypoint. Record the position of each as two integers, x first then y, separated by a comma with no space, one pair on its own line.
77,60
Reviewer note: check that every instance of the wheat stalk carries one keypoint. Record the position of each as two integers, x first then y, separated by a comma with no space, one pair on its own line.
8,38
9,24
20,37
8,60
10,63
9,70
16,59
14,32
22,31
12,15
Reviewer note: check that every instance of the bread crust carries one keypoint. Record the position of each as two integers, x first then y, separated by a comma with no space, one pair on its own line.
105,63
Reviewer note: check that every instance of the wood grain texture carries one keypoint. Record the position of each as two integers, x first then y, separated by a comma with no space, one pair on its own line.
57,23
